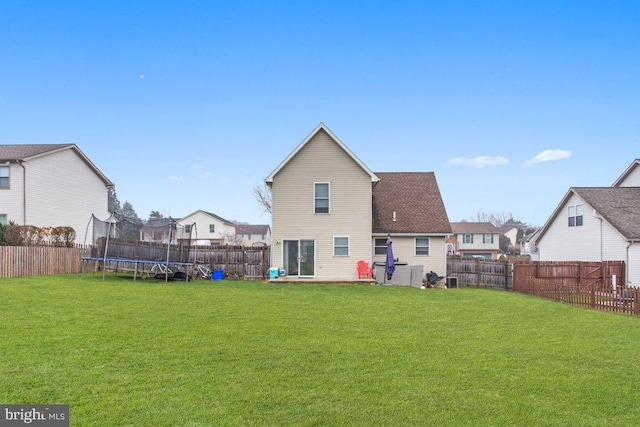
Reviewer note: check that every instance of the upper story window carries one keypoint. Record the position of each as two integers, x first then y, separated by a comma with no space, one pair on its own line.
321,197
467,238
487,238
341,246
422,246
3,219
575,215
187,228
4,176
380,247
212,228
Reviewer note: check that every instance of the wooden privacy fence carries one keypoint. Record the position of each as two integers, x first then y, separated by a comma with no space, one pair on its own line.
248,262
236,261
18,261
598,274
599,284
481,273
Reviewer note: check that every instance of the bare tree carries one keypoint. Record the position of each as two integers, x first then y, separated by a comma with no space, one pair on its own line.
263,196
499,219
233,239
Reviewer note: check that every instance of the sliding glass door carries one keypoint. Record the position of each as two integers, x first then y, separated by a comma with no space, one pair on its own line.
299,257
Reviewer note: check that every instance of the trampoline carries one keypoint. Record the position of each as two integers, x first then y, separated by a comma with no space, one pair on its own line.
112,252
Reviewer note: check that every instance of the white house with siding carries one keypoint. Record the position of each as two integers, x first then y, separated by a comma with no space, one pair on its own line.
206,226
329,210
51,185
597,224
253,234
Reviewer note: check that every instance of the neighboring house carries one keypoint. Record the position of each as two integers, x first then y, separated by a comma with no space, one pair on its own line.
511,232
157,230
528,245
475,239
597,224
330,210
253,235
52,185
207,226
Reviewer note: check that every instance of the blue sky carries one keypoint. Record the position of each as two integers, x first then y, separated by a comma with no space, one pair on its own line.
188,105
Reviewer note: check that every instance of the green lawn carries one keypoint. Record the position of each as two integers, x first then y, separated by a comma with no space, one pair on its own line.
250,353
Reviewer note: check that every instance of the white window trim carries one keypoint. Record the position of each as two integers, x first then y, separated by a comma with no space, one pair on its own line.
328,198
381,246
8,168
348,245
575,215
415,246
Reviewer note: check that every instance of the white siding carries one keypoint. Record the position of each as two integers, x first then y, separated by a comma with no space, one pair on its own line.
256,239
631,180
62,190
478,243
323,160
633,265
202,221
595,240
12,203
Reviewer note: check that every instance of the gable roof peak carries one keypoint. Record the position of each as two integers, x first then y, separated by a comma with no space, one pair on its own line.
323,127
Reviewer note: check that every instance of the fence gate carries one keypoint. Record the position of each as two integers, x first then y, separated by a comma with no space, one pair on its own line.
482,273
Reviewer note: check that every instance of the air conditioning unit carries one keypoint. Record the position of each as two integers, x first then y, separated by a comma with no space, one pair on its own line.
452,282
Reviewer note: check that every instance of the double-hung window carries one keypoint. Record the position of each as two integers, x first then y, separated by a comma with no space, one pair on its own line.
575,215
212,228
4,176
422,246
380,246
487,238
3,219
341,246
467,238
321,197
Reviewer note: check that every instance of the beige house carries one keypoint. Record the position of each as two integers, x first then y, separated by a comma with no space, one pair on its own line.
329,210
51,185
474,239
253,234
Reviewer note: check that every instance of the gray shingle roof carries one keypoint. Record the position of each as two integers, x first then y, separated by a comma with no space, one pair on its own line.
415,198
25,151
252,229
619,206
474,228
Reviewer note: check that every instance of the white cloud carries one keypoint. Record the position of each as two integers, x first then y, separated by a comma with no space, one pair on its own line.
196,166
206,174
548,156
174,178
479,162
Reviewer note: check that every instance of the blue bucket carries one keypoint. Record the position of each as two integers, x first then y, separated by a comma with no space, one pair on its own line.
217,275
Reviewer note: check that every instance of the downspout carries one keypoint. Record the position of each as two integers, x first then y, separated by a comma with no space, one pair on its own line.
597,216
626,264
24,192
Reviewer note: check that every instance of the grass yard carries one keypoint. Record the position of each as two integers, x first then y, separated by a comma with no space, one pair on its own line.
249,353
